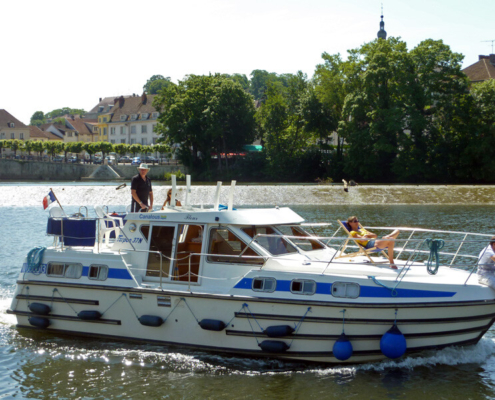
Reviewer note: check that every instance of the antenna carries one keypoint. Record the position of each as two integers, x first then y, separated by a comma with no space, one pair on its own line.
491,42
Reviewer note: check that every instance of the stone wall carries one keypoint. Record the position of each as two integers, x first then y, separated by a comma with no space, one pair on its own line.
18,170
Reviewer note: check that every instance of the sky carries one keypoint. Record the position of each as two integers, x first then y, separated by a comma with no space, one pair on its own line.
59,54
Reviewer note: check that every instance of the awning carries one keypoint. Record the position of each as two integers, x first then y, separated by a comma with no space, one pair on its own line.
253,147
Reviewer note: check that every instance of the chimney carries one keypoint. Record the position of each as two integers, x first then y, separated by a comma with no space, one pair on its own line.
100,99
121,101
144,98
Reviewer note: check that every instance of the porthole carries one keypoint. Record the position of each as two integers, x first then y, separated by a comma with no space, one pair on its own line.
264,284
346,290
98,272
303,286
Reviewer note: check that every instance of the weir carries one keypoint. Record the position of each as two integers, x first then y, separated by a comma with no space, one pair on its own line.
255,195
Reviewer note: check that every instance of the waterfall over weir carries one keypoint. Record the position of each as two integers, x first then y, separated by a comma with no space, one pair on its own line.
254,195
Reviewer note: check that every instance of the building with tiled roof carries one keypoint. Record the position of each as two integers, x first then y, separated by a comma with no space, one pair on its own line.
87,129
482,70
11,127
36,133
132,120
103,107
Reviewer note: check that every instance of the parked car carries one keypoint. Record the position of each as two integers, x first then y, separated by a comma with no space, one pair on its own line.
97,160
136,161
110,160
150,159
125,159
58,159
73,159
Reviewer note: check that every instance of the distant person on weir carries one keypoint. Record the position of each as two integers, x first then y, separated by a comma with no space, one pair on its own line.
141,190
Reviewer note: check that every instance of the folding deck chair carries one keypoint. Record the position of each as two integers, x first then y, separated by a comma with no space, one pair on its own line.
362,251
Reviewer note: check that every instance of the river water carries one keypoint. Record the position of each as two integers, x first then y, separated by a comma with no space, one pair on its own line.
40,365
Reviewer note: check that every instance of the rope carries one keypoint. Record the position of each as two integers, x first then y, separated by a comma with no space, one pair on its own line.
63,298
434,245
299,324
343,320
34,258
132,308
393,292
111,305
197,320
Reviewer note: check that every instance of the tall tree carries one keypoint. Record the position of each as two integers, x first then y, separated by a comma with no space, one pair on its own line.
157,83
37,119
200,113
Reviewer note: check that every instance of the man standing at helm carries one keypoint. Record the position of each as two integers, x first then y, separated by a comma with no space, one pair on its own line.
141,190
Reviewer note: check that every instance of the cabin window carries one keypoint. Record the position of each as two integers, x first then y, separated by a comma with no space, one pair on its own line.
189,246
161,240
225,246
274,243
145,231
345,289
67,270
304,240
98,272
264,284
303,287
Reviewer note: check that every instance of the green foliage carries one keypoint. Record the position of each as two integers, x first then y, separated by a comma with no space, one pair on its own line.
180,176
122,149
64,111
135,148
15,144
157,83
205,114
37,119
37,146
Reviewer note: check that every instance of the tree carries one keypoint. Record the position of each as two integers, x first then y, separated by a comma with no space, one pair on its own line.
200,113
157,83
241,79
37,146
15,144
121,149
28,146
260,79
282,124
135,148
64,111
37,119
90,148
52,147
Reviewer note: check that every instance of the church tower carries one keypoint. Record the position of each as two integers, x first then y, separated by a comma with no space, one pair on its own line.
381,33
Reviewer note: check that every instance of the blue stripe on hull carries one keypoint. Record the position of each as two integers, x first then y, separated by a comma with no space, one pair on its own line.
366,291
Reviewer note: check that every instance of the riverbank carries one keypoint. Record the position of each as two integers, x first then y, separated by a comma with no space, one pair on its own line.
20,170
86,194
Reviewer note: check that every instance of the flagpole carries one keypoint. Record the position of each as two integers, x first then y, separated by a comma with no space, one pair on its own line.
54,195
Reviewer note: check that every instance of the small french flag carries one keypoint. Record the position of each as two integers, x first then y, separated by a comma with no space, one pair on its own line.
49,199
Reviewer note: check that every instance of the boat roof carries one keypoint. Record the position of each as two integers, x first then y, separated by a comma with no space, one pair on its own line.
247,216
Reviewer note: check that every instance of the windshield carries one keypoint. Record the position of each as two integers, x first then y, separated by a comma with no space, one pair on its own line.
271,239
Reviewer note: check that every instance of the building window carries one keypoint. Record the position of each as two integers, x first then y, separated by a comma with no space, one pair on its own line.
122,141
154,115
133,129
122,130
123,117
143,141
133,117
104,131
112,131
154,140
69,134
12,135
144,129
144,116
105,119
133,141
21,135
11,125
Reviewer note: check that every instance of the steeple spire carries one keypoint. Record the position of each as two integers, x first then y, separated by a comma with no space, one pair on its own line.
381,33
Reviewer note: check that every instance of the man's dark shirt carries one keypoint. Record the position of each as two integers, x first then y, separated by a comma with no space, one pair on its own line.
143,189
